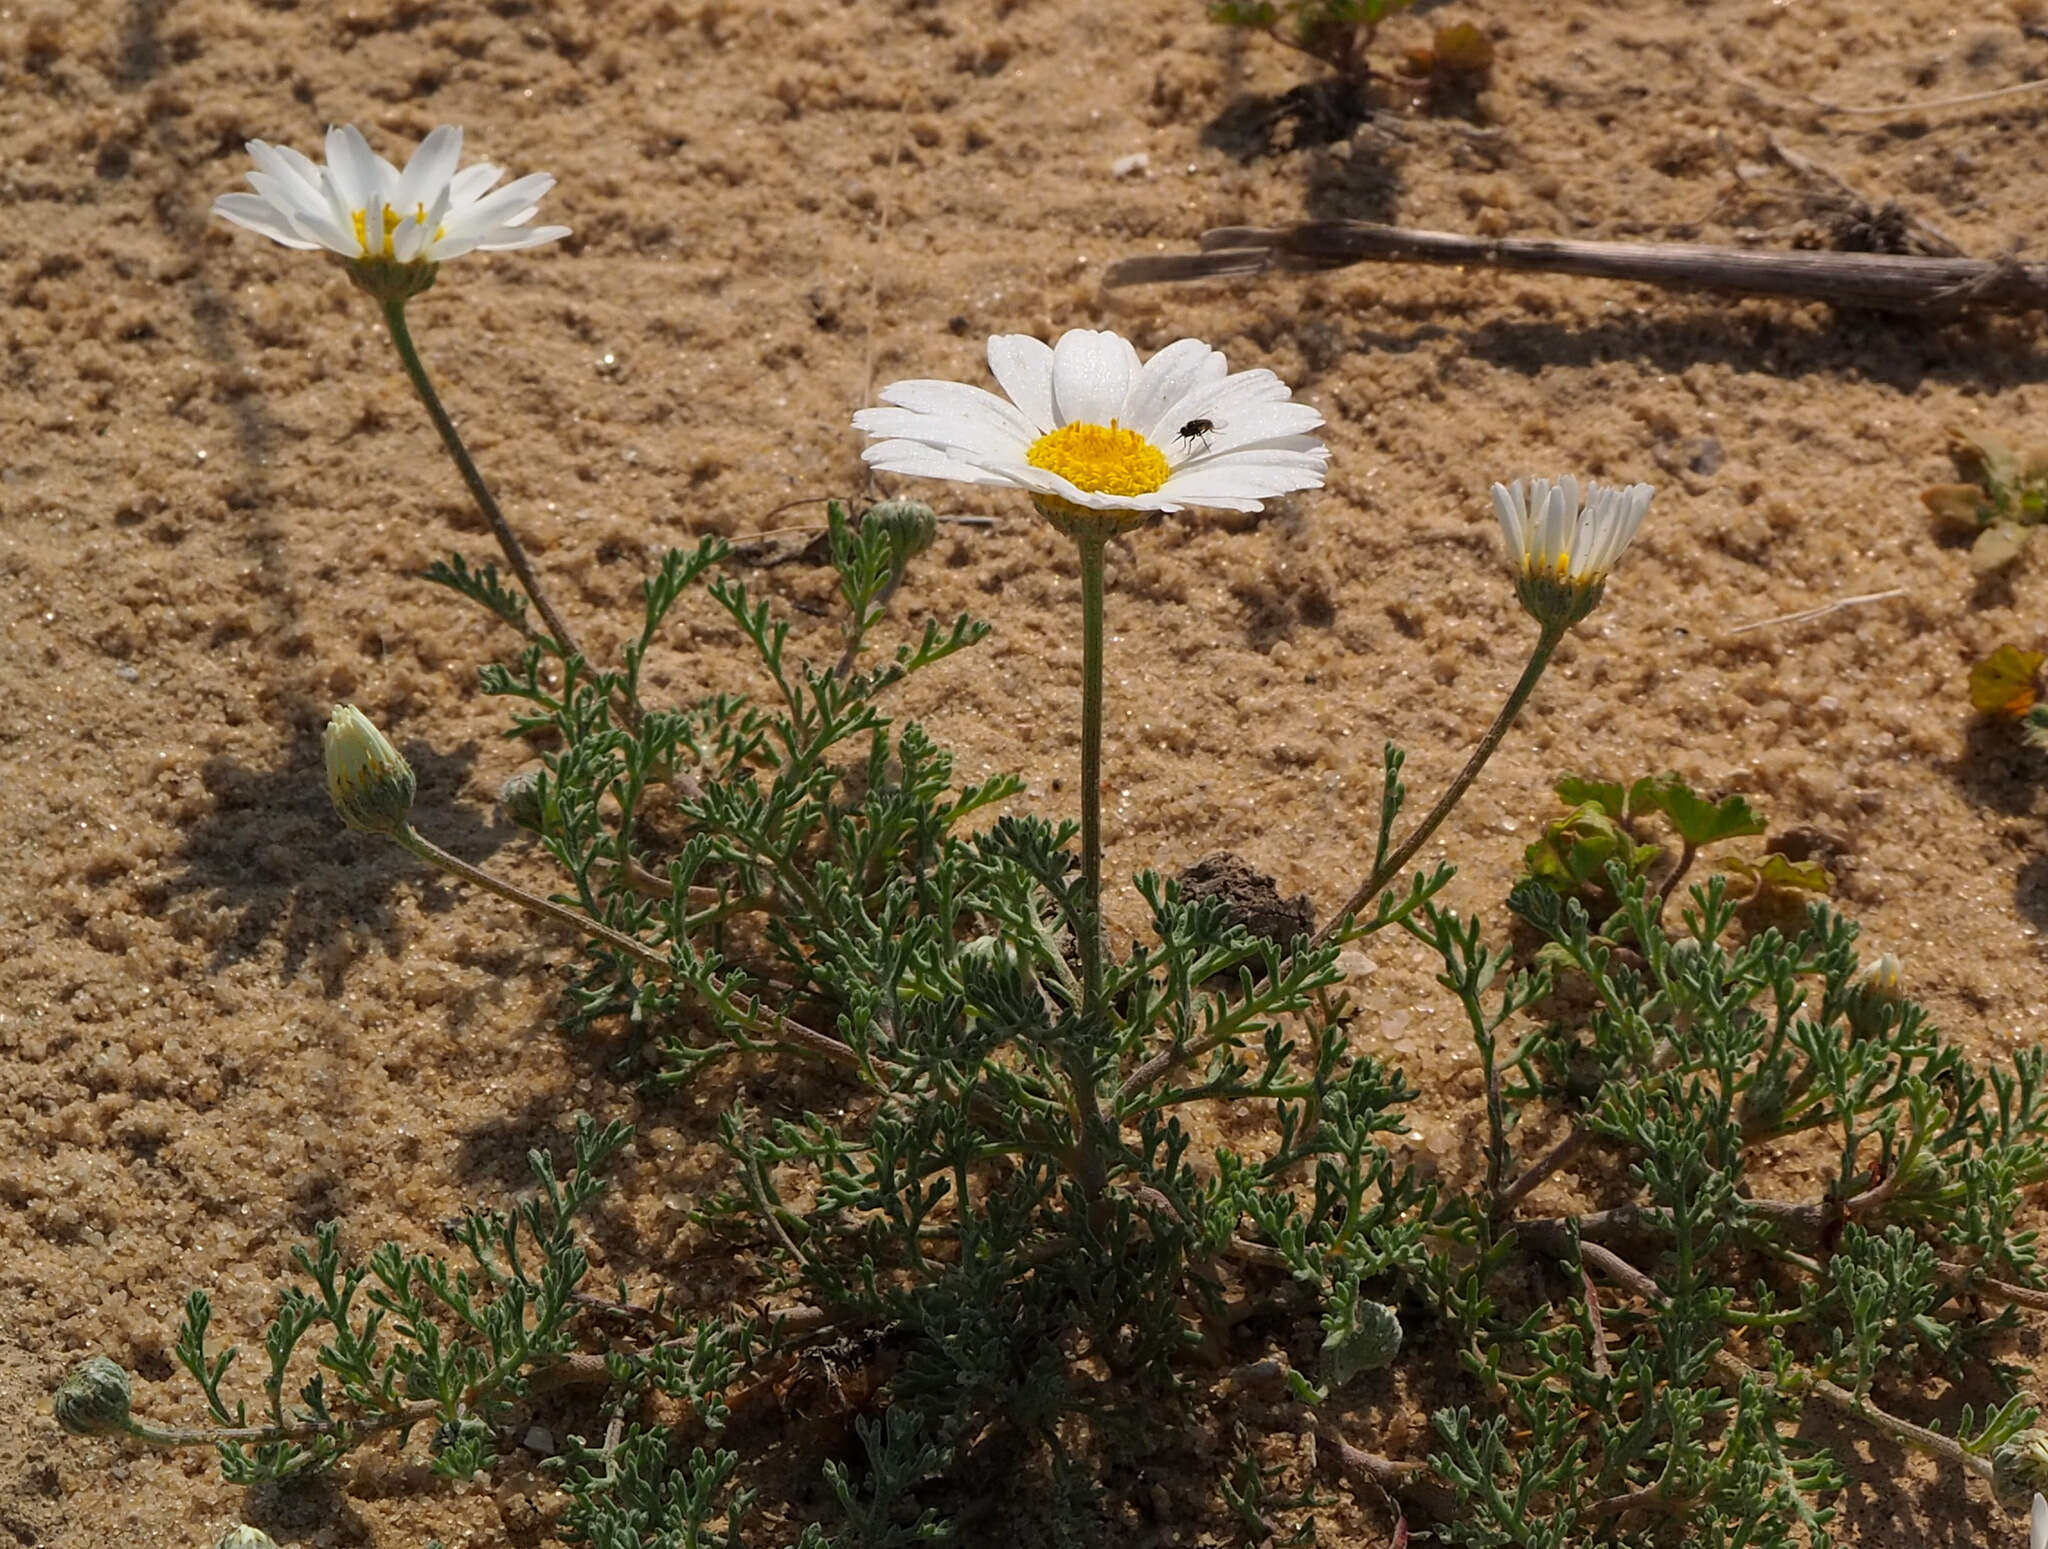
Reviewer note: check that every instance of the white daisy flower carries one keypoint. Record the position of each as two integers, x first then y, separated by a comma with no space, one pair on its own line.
1564,542
1100,440
391,226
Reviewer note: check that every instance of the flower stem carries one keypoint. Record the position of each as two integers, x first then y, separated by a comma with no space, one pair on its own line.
515,555
411,839
1091,1125
1390,867
759,1018
1091,772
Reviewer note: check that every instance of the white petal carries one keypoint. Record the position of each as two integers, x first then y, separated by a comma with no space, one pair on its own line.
1235,393
259,215
1022,367
921,461
1255,426
330,236
951,403
976,437
1091,376
2037,1527
513,241
284,197
1508,506
409,239
1255,481
1183,368
353,166
499,208
294,179
468,185
427,174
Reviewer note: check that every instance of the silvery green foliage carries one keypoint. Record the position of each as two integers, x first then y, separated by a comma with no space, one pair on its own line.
993,1205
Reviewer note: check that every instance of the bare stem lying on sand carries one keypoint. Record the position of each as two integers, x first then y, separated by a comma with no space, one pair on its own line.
1884,281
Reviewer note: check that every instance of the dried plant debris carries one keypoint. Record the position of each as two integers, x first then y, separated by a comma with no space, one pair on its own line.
2004,498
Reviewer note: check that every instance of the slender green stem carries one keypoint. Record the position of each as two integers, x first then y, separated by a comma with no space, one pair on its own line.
575,919
1091,772
1388,869
1089,1118
515,555
758,1017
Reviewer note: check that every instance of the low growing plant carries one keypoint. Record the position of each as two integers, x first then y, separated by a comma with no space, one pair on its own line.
1009,1228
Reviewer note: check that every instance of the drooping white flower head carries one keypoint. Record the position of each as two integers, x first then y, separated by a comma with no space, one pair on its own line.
1099,439
381,219
1564,541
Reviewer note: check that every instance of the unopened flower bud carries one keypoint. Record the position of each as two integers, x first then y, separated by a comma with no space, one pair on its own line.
93,1399
1872,1003
910,524
2020,1467
527,801
2034,727
243,1536
1885,978
370,783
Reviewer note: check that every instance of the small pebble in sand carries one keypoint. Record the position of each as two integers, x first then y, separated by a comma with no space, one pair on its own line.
1133,165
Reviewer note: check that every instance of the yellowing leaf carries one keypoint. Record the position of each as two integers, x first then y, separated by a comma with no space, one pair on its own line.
1462,49
2003,683
1773,870
1999,544
1958,505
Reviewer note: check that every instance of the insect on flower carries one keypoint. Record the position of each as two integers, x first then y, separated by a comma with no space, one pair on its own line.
1088,430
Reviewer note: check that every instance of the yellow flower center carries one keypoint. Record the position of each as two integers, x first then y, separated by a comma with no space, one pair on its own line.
1102,459
392,220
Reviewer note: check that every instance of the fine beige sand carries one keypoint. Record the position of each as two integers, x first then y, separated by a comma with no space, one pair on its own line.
224,1018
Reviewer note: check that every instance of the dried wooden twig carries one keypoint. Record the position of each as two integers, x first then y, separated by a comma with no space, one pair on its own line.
1886,282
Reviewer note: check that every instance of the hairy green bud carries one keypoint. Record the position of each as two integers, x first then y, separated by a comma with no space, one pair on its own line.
910,524
368,780
93,1399
1372,1341
2020,1467
527,802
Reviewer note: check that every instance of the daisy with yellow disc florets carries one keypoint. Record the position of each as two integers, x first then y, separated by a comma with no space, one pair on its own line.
1101,441
392,230
1563,538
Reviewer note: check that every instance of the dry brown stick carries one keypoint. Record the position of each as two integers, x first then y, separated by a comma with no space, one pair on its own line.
1883,281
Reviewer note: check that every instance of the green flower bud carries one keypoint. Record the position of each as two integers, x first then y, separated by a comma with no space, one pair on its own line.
2034,727
910,524
1872,1002
93,1399
371,785
1372,1342
528,804
2020,1467
243,1536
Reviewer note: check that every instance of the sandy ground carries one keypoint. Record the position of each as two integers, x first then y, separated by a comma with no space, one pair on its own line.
223,1018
